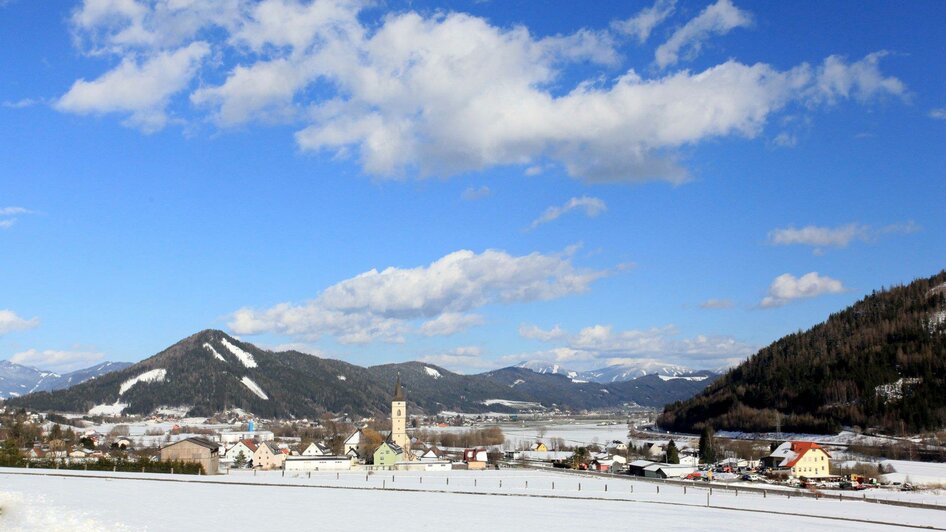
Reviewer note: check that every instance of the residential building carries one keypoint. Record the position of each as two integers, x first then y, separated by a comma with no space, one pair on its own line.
247,447
539,447
387,454
316,449
352,442
311,463
269,456
800,459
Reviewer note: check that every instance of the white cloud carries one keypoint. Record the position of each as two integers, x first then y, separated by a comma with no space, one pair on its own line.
450,323
461,359
591,206
785,140
474,193
385,305
58,361
939,114
716,19
301,347
786,288
139,88
841,236
716,304
12,211
408,94
644,22
10,322
861,80
20,104
535,332
599,345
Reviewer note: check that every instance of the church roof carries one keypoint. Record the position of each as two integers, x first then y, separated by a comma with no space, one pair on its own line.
398,391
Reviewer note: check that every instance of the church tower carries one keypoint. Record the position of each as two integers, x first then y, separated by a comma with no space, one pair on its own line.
399,418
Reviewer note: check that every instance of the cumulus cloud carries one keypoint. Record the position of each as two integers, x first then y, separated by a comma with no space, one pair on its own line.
644,22
444,93
786,288
717,19
603,345
10,322
58,361
476,193
591,206
717,304
141,89
386,305
841,236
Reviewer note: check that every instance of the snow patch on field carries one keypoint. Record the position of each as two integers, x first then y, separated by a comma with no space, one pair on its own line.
248,382
432,372
694,378
155,375
173,411
246,358
520,405
108,410
217,355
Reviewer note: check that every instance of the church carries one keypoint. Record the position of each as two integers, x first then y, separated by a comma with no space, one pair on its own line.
397,447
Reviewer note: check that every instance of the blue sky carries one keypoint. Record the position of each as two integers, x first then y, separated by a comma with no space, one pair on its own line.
466,183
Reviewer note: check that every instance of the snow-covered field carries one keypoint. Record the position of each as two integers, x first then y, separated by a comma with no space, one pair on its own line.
578,433
469,500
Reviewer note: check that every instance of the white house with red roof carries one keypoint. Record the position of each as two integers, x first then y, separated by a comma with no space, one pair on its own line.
801,458
247,447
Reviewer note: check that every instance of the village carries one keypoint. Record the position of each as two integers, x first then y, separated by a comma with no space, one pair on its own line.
160,444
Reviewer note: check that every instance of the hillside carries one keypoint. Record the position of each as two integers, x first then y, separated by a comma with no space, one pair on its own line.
879,364
210,372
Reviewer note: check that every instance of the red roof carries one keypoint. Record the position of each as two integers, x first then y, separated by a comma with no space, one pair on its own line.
250,443
802,447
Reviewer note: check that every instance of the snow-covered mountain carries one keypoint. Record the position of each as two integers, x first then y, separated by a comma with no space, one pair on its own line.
615,373
17,380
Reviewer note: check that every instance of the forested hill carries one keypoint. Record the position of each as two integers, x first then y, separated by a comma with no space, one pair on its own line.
880,363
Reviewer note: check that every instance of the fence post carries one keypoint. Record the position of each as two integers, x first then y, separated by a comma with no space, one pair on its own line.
553,484
254,472
763,494
707,500
737,492
172,470
310,474
383,482
605,487
684,490
658,489
527,484
579,486
632,488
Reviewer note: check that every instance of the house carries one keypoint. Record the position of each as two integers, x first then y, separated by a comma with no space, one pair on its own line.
475,458
539,447
269,456
193,450
352,442
431,454
801,459
619,460
602,465
387,454
247,447
307,463
618,445
316,449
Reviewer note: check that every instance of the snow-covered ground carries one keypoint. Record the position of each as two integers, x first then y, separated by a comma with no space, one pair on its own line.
469,500
578,433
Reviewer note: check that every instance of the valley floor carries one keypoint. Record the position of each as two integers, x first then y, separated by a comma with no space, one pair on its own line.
461,500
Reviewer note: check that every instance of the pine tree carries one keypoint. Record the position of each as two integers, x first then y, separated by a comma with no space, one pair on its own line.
707,446
240,460
673,455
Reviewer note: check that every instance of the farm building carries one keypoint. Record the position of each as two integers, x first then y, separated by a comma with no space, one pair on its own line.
193,450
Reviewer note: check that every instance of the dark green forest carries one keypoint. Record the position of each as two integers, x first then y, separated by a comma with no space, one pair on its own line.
827,377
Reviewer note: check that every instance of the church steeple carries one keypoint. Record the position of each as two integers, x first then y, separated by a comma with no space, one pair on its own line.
398,392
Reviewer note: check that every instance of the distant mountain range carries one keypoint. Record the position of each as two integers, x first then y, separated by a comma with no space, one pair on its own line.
211,371
879,364
615,373
17,380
